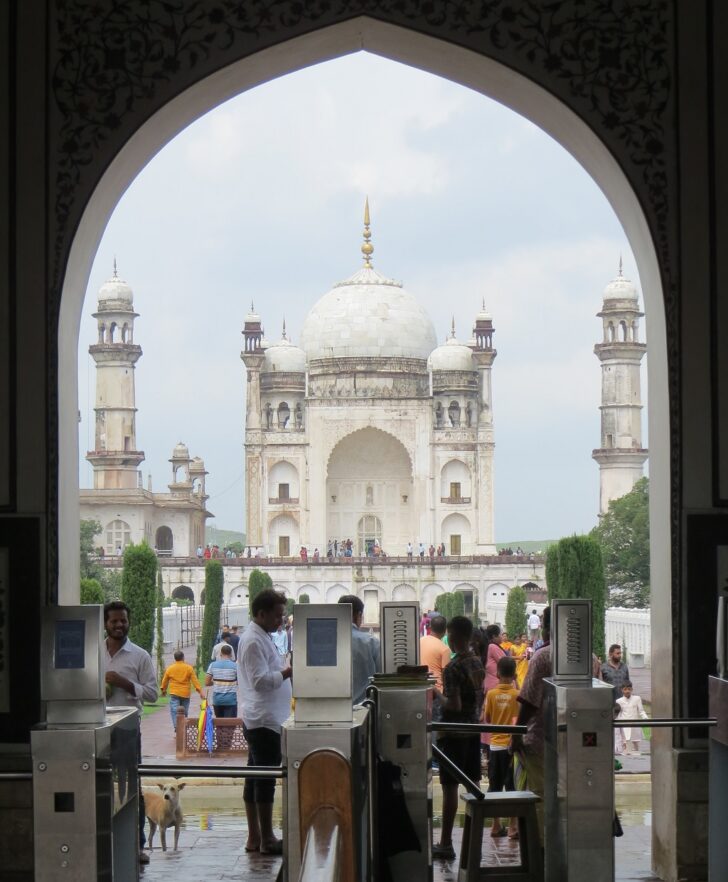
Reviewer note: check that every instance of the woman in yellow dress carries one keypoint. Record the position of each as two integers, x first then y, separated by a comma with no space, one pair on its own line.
519,650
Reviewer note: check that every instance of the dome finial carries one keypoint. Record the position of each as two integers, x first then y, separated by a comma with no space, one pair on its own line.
367,249
452,328
620,274
284,328
116,274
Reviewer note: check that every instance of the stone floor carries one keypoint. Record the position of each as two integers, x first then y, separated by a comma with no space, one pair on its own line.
211,843
211,848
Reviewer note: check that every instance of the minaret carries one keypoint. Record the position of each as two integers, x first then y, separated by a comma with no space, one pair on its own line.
484,355
253,357
115,458
621,456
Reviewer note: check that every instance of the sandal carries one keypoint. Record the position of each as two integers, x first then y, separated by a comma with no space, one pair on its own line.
443,852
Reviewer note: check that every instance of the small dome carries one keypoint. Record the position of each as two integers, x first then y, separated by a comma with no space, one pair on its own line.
367,315
620,289
181,451
197,465
483,315
115,290
451,356
252,315
284,356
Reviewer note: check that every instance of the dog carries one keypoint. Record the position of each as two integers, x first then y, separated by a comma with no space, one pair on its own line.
163,811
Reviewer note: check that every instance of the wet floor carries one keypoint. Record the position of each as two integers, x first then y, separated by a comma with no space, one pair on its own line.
211,845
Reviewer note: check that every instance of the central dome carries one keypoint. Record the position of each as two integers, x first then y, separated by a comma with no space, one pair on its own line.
367,315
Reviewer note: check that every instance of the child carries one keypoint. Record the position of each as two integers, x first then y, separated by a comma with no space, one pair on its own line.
501,708
630,708
179,677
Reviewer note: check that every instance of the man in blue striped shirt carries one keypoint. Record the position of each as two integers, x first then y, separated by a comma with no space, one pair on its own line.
222,675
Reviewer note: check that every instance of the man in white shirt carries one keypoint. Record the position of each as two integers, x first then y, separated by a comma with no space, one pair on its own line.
534,626
226,640
130,681
265,699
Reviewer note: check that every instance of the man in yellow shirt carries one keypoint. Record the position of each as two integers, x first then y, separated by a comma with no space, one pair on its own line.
180,677
501,709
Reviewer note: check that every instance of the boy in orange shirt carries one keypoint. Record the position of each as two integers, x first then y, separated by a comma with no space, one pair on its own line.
179,676
501,708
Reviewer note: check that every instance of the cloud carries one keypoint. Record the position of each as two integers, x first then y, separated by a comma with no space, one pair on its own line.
261,199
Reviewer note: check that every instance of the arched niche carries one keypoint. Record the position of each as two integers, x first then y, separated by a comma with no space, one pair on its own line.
283,482
455,481
183,592
164,540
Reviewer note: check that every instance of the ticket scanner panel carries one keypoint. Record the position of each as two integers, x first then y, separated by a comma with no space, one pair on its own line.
85,780
322,666
325,723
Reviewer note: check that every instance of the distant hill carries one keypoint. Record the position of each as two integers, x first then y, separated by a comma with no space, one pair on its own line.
528,545
215,536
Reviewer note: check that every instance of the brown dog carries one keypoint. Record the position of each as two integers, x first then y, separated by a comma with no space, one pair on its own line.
163,811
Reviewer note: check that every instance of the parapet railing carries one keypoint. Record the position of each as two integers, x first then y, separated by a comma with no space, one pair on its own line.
116,561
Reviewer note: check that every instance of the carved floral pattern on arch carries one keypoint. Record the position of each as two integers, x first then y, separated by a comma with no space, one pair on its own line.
607,58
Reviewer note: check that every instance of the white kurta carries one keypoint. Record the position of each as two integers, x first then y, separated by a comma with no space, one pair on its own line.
631,709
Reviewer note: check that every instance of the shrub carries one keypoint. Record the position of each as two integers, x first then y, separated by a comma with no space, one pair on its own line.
139,592
516,612
214,578
91,591
476,613
304,598
257,582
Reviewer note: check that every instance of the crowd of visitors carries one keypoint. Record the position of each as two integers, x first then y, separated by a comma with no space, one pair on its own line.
480,675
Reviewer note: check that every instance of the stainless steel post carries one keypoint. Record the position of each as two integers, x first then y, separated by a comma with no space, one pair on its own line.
578,755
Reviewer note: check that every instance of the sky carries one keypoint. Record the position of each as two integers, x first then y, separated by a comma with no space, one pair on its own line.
262,200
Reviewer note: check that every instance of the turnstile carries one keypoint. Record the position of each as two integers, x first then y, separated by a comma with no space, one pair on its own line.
86,799
579,753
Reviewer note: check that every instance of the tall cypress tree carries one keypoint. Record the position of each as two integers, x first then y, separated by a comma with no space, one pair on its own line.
214,578
160,626
516,612
574,568
257,582
139,592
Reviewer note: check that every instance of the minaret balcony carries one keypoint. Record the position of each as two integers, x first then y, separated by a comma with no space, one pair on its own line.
455,500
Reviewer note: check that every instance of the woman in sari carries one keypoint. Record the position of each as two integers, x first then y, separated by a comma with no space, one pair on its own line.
519,651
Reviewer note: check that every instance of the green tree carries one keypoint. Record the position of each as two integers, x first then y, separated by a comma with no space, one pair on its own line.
257,581
214,579
574,568
457,604
442,605
91,591
237,547
290,603
516,612
304,598
476,613
89,530
111,583
160,626
623,534
139,592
